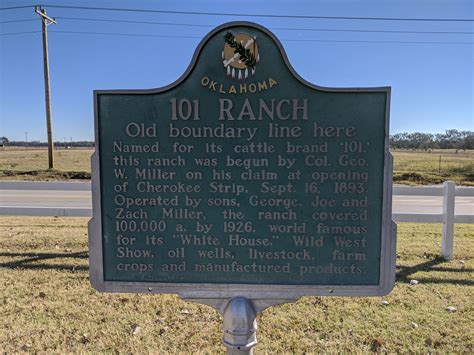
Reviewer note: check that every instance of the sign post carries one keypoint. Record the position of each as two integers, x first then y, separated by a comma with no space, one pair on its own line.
242,186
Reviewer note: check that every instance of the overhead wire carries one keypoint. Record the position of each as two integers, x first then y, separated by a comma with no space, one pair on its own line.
21,20
200,37
272,28
16,7
125,34
18,33
259,15
282,39
210,26
204,13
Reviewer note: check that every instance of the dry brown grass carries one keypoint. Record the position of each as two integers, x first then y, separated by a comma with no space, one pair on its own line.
47,304
410,167
422,167
32,164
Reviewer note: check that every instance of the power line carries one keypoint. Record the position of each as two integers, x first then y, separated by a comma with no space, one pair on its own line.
282,39
246,15
368,31
125,34
22,20
200,37
132,21
17,33
16,7
364,41
258,15
272,28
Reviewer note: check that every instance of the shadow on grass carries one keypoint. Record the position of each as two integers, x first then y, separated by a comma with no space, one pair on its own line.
33,261
48,174
404,273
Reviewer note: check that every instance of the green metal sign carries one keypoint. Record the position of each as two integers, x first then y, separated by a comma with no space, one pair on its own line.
242,178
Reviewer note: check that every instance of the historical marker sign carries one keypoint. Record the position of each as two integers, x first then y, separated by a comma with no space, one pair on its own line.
242,179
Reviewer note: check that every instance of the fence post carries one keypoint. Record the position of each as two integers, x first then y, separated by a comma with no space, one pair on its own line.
448,220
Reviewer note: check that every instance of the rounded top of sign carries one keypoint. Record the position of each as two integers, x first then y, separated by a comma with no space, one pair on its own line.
241,52
246,51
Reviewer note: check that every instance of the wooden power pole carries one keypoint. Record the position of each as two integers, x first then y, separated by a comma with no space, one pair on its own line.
45,22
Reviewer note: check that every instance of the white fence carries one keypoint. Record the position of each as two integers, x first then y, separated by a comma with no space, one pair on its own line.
448,217
449,191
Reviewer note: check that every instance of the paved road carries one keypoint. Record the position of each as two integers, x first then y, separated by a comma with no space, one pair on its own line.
42,198
79,198
430,204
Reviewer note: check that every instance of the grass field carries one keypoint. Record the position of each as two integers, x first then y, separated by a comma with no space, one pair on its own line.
47,305
411,167
415,167
32,164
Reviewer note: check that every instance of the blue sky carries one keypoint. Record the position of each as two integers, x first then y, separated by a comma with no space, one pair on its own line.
432,84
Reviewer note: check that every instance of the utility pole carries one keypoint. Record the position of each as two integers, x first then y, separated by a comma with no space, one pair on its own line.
26,140
45,22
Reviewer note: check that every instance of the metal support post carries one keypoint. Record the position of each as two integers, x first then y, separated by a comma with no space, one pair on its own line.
239,326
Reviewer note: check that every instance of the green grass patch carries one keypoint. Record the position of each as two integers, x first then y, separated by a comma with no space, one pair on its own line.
47,304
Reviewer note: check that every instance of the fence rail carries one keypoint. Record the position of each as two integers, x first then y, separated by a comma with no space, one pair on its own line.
449,191
448,218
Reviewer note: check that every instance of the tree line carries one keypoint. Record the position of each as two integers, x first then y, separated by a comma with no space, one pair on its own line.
75,144
451,139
